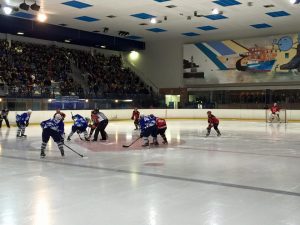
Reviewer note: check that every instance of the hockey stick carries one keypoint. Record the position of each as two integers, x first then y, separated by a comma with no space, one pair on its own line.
127,146
74,151
80,136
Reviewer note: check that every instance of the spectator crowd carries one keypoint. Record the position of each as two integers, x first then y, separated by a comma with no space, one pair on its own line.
40,70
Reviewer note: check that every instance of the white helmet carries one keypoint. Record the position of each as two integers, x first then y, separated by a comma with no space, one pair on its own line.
58,117
29,111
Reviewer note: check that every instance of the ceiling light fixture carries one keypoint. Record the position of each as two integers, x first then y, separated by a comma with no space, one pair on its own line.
105,29
7,10
123,33
35,7
41,17
103,46
24,6
20,33
215,11
67,41
197,15
153,20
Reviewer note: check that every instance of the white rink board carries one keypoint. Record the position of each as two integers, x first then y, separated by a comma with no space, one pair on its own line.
123,114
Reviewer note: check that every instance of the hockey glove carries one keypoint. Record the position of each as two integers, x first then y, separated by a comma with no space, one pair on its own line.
141,135
27,123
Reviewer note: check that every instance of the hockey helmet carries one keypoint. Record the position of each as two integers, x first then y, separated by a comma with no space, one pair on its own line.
29,111
208,112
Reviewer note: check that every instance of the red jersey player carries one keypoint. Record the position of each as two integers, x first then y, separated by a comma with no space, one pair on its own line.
94,122
212,122
161,129
135,117
275,112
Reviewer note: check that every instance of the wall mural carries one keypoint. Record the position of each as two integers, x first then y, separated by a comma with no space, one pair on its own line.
267,59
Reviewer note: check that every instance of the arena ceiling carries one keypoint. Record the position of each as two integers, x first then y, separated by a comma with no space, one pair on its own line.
188,20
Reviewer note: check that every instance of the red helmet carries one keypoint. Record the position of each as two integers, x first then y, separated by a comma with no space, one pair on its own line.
208,112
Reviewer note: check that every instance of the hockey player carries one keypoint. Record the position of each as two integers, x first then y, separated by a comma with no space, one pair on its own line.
102,123
161,129
22,122
60,113
80,125
94,122
212,122
148,127
275,112
3,116
135,117
53,128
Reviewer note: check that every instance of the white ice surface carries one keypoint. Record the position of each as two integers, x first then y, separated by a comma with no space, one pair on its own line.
248,176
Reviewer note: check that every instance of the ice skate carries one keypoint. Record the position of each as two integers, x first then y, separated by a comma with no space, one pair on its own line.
43,155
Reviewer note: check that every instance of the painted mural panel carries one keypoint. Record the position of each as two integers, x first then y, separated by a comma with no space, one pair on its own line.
267,59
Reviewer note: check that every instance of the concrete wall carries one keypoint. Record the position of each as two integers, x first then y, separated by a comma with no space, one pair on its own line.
237,114
162,63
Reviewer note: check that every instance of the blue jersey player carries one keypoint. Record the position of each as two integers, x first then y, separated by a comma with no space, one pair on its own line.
80,125
22,122
148,127
53,128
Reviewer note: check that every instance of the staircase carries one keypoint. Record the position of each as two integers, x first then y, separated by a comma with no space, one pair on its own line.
78,76
140,74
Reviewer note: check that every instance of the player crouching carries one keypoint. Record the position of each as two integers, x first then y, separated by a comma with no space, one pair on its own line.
53,128
22,122
80,125
148,127
161,128
212,122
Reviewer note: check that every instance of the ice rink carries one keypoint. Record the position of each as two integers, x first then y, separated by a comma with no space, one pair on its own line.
248,176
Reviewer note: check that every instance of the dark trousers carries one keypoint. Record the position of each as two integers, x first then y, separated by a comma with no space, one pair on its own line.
150,131
101,128
161,132
6,121
47,133
215,126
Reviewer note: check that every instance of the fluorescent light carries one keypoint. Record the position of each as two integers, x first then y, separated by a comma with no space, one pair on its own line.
215,11
134,55
67,41
41,17
103,46
153,20
20,33
128,100
7,10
